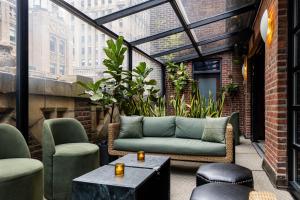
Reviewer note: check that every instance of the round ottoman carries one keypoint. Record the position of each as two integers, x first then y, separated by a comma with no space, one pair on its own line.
224,173
221,191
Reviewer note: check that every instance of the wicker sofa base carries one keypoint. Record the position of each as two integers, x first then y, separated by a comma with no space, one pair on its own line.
113,132
219,159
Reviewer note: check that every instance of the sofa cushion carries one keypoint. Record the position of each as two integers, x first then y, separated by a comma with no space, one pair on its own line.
15,168
215,129
171,145
159,126
131,127
189,127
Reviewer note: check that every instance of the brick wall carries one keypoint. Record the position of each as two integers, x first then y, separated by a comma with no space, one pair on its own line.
275,161
228,69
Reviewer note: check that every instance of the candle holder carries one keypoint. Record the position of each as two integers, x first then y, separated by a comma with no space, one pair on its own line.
119,169
141,156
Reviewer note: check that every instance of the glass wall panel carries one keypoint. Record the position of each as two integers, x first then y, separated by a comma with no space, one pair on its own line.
297,88
166,43
297,127
155,74
178,55
296,11
197,10
220,43
100,8
7,61
63,49
236,23
149,22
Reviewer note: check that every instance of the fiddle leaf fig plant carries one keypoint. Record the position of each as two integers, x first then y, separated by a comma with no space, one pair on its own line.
179,76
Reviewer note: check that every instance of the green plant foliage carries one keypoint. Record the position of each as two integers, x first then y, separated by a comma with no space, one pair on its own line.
179,76
231,89
143,96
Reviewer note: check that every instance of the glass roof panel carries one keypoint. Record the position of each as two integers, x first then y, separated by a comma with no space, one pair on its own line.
99,8
178,55
146,23
166,43
233,24
210,46
197,10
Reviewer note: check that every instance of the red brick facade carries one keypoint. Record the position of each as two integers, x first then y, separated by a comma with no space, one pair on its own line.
275,161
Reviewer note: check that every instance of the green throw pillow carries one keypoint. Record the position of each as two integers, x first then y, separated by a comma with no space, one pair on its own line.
159,126
191,128
215,129
131,127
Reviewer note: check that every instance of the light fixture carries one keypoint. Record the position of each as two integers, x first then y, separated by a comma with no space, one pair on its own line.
264,25
244,68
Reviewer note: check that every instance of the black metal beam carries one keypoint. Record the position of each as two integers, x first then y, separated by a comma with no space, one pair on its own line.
101,28
22,91
225,15
202,42
157,36
183,22
129,11
218,50
130,58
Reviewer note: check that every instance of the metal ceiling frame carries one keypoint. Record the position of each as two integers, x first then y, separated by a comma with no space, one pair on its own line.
203,42
98,24
219,17
129,11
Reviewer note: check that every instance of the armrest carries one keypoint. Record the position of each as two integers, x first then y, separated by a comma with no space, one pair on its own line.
113,133
230,153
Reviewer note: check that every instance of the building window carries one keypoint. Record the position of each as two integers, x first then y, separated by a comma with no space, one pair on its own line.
207,75
89,3
62,47
37,3
96,2
103,2
120,23
53,68
89,51
82,63
12,35
82,51
82,39
52,44
109,1
82,3
62,69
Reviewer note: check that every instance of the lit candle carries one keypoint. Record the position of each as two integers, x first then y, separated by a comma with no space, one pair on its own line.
119,169
141,155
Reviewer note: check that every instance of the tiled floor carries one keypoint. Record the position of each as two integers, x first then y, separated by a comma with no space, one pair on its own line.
183,174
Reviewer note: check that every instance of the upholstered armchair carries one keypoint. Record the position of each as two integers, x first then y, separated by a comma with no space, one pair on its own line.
67,154
21,178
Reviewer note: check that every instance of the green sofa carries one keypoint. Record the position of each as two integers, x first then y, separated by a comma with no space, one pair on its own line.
181,138
67,154
21,178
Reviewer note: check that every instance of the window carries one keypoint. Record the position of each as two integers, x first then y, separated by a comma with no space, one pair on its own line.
52,68
109,1
82,63
89,3
12,35
82,39
96,2
207,75
62,47
103,2
52,44
62,69
82,51
37,3
82,3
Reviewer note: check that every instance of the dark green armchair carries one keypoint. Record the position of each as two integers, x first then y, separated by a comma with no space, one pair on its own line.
21,178
235,122
67,154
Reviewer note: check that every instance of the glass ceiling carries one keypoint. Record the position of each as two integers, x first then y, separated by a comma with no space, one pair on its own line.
166,30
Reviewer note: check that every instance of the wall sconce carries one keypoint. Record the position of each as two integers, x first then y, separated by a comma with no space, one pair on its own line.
245,68
266,27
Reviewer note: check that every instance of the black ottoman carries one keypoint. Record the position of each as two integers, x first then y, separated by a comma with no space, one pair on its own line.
221,191
224,173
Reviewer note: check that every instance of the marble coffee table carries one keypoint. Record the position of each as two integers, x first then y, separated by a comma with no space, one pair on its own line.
161,177
102,184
